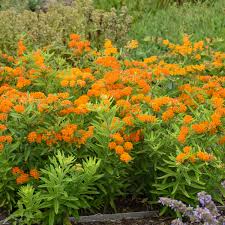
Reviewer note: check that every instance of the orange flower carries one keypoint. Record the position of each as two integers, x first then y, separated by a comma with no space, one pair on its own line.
111,77
64,83
110,51
200,127
216,120
128,120
167,115
63,95
75,37
22,82
181,157
35,174
119,149
204,156
146,118
166,42
125,157
2,127
81,83
23,178
38,59
83,99
3,116
183,134
32,137
5,106
16,170
128,146
19,108
192,158
112,145
21,48
186,149
187,119
217,102
8,138
117,137
123,103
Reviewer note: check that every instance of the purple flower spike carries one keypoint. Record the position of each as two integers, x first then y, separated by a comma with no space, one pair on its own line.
204,199
206,213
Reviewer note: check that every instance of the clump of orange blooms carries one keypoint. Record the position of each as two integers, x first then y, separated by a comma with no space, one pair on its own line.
78,45
192,157
22,177
179,97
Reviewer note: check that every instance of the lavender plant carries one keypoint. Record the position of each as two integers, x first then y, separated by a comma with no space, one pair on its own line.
205,213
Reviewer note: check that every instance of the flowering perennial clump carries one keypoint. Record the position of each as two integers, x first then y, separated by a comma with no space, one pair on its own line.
159,120
205,213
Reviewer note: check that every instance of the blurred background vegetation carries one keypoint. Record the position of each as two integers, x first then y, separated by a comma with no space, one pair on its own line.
49,22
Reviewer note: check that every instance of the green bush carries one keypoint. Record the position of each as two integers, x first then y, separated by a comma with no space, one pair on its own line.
50,28
19,5
65,188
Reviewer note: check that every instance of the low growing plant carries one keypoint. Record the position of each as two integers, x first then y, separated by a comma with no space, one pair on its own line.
205,213
65,187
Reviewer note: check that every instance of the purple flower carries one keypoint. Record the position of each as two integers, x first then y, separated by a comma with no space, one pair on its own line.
206,213
176,206
204,199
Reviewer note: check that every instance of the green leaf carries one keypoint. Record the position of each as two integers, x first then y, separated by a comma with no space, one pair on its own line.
56,206
175,187
51,218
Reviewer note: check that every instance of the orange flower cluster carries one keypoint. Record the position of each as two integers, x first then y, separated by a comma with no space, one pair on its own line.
186,48
23,177
21,48
146,118
183,134
192,157
77,45
68,134
75,78
108,61
109,49
39,59
4,139
145,91
121,147
200,127
8,58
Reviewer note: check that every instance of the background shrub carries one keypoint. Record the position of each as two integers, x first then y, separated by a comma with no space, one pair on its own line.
51,28
19,5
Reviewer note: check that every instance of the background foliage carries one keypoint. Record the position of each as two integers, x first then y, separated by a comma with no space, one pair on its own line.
40,29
